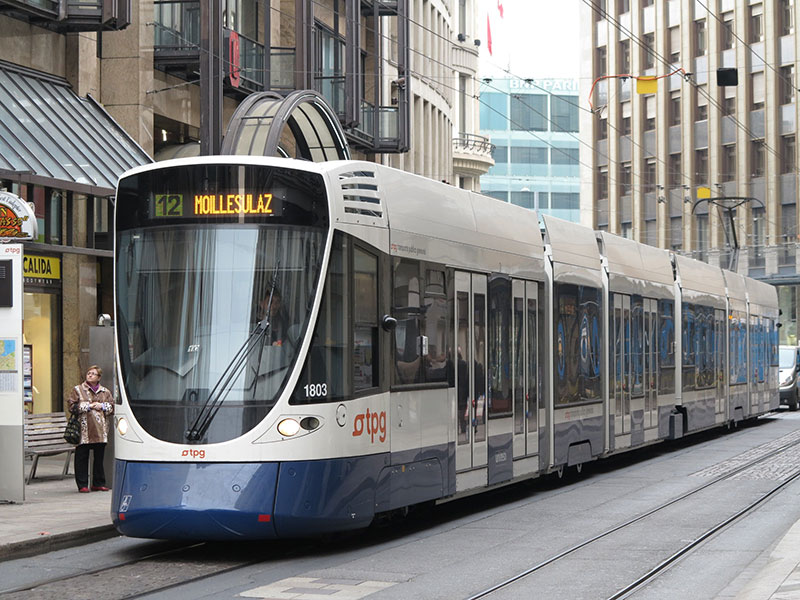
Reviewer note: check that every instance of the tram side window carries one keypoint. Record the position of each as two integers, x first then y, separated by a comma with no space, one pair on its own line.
365,317
666,346
499,347
324,377
423,311
738,348
773,342
578,334
704,344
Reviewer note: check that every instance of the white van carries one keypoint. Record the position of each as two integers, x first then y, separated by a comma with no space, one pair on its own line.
788,376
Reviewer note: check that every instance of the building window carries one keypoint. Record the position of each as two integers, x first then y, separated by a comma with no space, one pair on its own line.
599,10
600,61
529,112
674,108
623,6
625,56
787,154
786,17
523,199
560,155
729,106
649,175
649,51
675,174
602,128
701,223
649,113
500,154
528,156
674,44
700,40
602,182
675,233
757,90
756,23
757,158
625,179
728,162
787,84
565,200
727,33
701,166
625,109
701,102
563,113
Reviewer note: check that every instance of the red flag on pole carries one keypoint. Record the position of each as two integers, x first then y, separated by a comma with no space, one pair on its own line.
488,35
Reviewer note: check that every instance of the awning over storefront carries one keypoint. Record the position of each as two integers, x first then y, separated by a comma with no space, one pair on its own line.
49,136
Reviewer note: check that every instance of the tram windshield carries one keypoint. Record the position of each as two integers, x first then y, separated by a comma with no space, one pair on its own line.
211,311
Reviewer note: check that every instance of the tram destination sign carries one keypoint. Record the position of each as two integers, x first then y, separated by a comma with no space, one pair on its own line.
263,204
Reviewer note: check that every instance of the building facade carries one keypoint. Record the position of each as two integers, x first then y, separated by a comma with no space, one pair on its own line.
533,126
665,167
162,78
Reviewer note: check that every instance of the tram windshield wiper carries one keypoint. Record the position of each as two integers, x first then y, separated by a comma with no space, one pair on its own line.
223,385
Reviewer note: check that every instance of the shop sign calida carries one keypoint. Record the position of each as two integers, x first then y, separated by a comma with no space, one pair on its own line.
17,219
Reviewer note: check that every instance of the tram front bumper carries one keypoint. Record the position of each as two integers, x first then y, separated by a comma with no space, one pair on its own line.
194,501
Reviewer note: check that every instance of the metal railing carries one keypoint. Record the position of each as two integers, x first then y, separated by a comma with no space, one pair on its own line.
475,144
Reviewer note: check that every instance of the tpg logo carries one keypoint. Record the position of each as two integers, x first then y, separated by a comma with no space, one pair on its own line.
194,453
376,423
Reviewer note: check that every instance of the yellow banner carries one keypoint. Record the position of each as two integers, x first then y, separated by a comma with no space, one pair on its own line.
41,267
646,85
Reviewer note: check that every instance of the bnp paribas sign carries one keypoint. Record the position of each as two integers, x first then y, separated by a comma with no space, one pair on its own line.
17,219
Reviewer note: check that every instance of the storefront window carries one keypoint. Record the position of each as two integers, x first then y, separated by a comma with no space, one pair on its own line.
40,329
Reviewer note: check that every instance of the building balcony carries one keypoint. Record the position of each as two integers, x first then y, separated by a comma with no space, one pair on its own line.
472,155
64,16
465,58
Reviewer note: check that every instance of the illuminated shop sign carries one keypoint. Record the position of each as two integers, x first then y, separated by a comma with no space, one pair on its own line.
211,205
17,219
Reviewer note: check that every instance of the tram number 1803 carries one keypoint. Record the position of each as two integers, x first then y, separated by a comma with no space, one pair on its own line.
316,390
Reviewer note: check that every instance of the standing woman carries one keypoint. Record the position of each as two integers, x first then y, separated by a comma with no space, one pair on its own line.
94,406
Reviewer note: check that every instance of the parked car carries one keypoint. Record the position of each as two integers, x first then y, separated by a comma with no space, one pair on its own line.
789,364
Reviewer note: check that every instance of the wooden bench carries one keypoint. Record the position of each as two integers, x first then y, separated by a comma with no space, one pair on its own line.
44,436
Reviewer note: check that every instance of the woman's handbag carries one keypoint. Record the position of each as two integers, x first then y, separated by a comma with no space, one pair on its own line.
72,433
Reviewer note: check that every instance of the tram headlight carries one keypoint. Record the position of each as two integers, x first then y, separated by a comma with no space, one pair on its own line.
288,427
122,425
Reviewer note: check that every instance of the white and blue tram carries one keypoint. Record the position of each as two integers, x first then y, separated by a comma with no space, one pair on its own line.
302,346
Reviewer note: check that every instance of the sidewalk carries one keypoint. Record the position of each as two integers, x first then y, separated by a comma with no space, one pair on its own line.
54,515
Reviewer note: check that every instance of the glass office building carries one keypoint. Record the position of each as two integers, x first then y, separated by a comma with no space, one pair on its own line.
533,125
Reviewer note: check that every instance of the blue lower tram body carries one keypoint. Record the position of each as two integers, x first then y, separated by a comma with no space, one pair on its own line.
227,501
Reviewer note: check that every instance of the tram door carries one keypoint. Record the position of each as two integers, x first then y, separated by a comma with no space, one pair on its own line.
621,370
471,372
524,351
650,364
719,360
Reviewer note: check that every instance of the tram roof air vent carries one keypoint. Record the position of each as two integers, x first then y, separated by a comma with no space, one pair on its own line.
360,194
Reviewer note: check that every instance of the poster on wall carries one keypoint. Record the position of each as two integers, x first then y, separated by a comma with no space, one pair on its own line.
8,365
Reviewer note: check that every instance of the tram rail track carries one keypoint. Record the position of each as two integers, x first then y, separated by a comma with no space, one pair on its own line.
679,554
177,566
